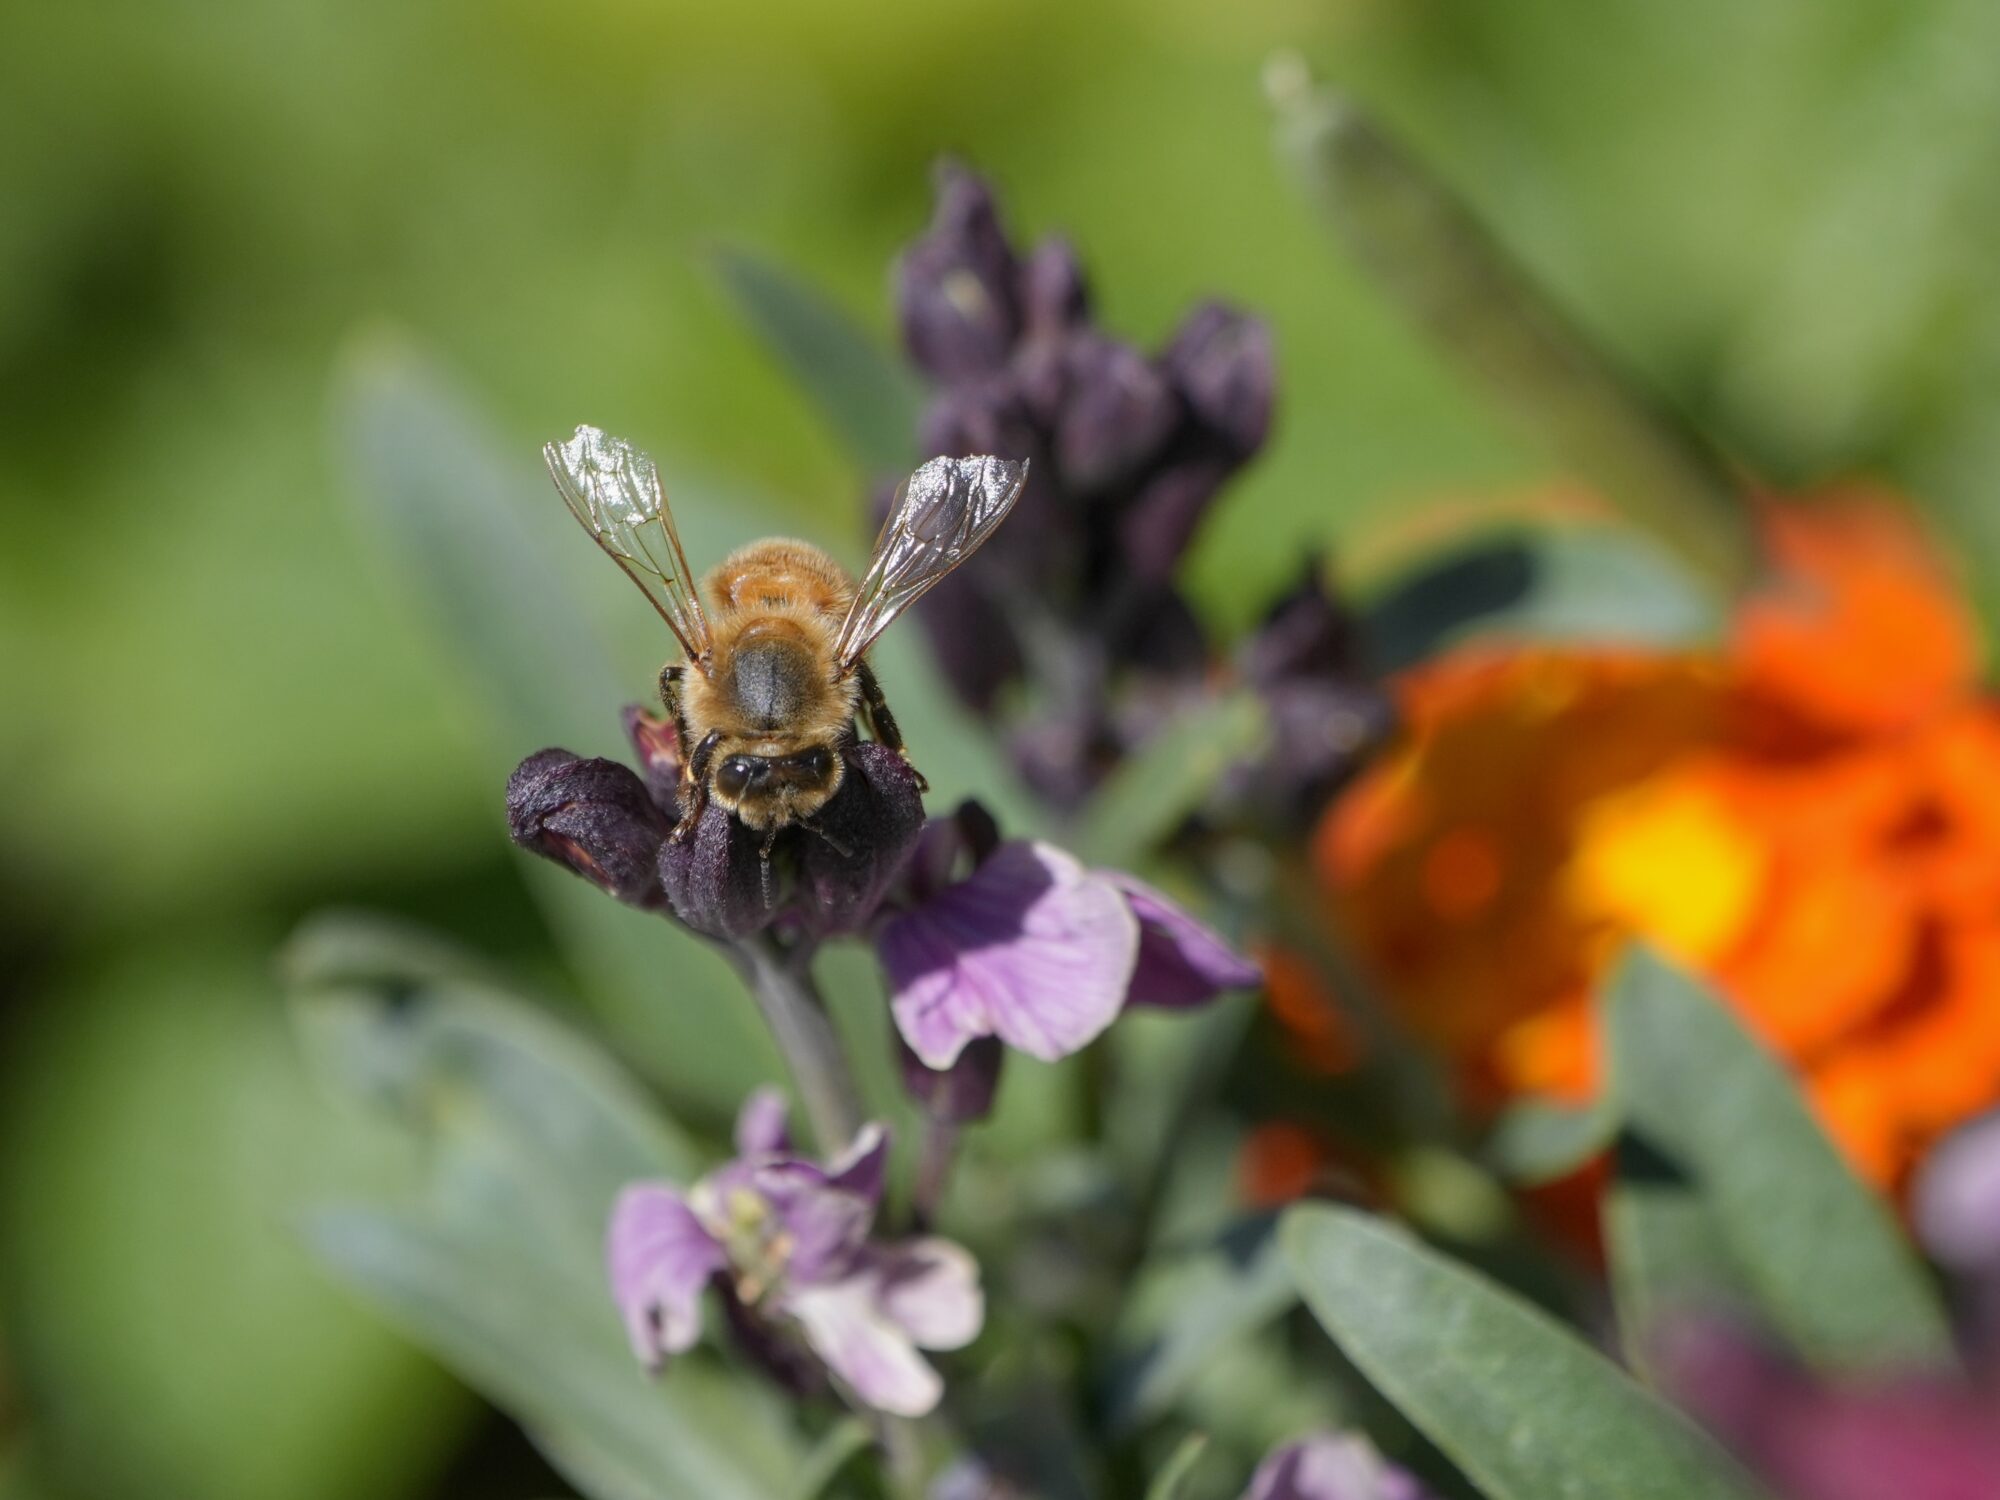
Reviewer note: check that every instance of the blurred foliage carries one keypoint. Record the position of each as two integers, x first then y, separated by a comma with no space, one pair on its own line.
224,712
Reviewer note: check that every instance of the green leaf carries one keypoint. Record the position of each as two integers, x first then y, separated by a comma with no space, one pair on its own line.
1428,253
526,1333
529,1131
866,396
1538,1140
1519,1403
1152,794
1727,1185
1560,583
1217,1298
843,1442
1171,1482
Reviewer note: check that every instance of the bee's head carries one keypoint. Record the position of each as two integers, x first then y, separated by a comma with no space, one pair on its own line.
768,790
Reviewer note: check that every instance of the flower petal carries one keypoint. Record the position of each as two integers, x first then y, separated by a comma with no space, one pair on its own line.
659,1260
870,1354
1957,1199
760,1124
1331,1468
1182,962
1030,948
931,1288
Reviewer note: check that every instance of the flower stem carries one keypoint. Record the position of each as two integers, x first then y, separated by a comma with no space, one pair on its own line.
782,983
934,1164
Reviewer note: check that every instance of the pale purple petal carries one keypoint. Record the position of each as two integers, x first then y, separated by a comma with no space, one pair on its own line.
1030,948
862,1169
1331,1468
660,1260
931,1288
1956,1203
1182,962
760,1124
863,1347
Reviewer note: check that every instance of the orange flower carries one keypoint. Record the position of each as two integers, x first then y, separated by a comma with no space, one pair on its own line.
1809,815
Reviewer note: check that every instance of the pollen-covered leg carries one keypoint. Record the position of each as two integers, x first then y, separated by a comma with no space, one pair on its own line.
882,723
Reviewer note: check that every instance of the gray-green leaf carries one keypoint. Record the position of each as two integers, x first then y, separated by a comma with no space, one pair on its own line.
1728,1188
1519,1403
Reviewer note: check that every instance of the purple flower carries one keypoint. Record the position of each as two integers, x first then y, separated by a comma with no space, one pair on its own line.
610,825
1957,1200
787,1242
1899,1439
1327,1467
1036,950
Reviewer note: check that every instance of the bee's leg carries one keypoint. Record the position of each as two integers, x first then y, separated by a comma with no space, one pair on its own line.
670,695
880,720
694,786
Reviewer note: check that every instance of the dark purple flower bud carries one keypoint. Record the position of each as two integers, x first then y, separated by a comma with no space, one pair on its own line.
594,816
960,1093
859,840
1306,633
715,880
659,751
1117,413
1220,360
825,877
1054,293
956,287
1161,520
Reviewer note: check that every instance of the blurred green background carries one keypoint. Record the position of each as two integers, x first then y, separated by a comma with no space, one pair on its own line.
224,712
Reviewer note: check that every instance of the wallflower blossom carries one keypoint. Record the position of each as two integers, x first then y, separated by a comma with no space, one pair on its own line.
1810,816
1034,949
1077,600
1908,1439
1329,1467
609,825
786,1241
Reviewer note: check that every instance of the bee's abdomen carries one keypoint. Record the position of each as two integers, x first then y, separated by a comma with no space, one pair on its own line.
774,682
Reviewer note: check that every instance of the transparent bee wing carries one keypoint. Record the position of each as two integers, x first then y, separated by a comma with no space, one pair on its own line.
941,515
614,492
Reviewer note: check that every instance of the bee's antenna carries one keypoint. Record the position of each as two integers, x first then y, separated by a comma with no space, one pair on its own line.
831,842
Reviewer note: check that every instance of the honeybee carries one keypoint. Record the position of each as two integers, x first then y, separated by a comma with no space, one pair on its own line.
770,686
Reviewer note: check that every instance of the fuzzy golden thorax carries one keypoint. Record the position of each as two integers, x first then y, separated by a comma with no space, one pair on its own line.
773,698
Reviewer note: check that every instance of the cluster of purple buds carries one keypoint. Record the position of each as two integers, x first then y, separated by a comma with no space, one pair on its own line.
788,1246
1073,609
610,825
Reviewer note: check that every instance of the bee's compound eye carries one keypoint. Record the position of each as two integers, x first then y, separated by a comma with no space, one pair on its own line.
817,762
735,775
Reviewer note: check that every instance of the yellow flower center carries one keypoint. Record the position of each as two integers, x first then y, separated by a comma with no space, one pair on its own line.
1665,860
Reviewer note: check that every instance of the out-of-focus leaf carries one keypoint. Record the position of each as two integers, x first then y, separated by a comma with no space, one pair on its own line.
1150,795
435,488
1561,583
1519,1403
1172,1480
1538,1140
1217,1298
1723,1171
1428,253
530,1338
866,396
529,1133
832,1453
454,1057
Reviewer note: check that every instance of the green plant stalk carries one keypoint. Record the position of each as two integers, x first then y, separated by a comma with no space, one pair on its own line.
1429,253
781,982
